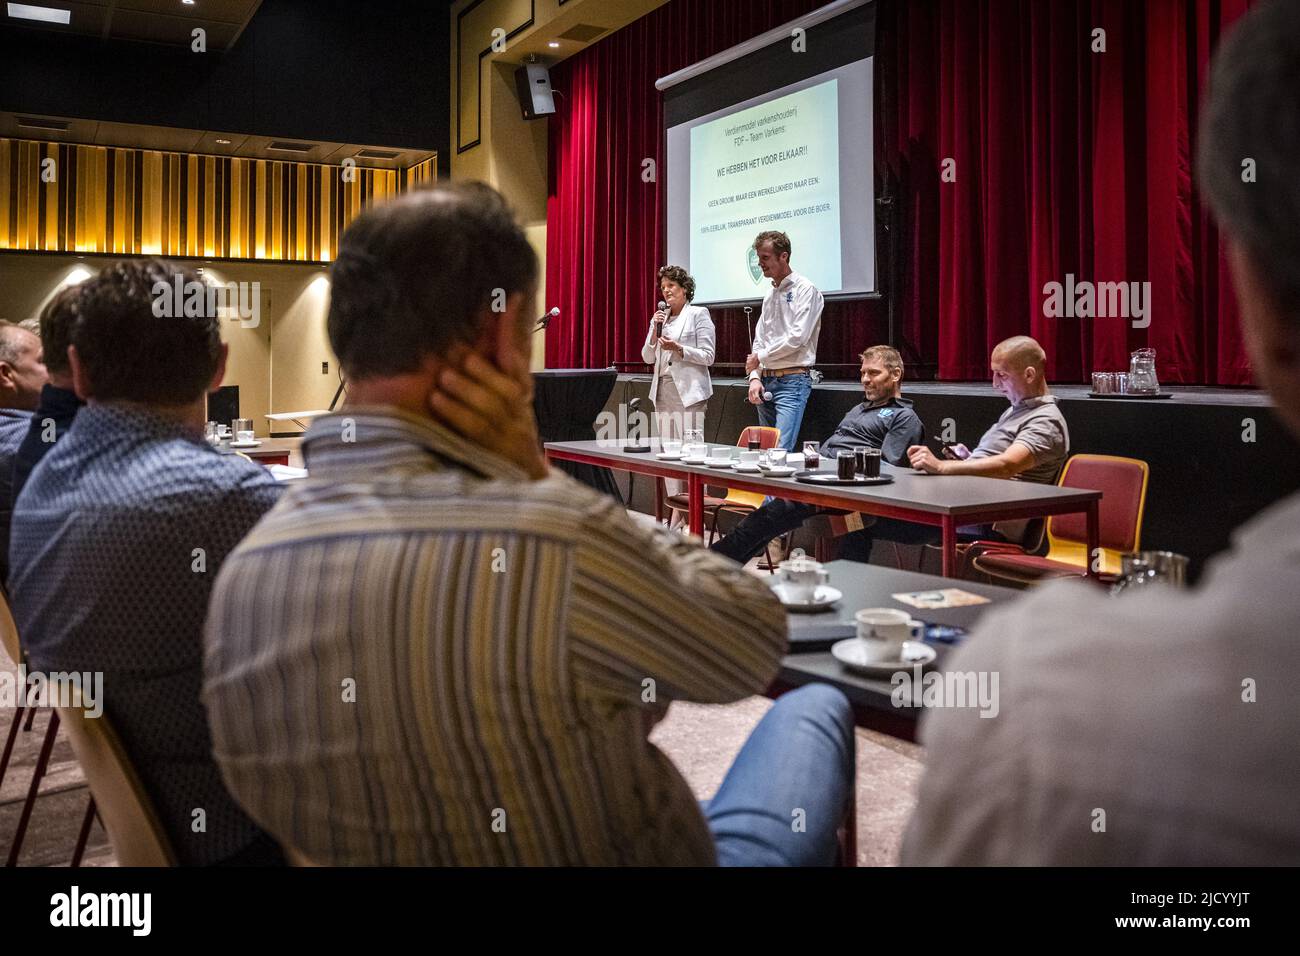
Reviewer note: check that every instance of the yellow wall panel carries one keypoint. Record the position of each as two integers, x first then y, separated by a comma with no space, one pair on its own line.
99,205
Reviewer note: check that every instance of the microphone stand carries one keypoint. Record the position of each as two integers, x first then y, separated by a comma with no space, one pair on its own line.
634,444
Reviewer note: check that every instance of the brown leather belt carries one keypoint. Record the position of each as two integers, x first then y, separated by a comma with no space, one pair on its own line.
779,372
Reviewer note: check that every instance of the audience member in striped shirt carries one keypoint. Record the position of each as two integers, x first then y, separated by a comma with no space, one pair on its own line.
436,651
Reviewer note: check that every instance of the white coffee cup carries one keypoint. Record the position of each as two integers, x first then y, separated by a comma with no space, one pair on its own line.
802,576
672,446
882,632
244,437
750,458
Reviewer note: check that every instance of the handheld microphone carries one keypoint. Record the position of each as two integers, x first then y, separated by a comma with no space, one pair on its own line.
545,320
659,323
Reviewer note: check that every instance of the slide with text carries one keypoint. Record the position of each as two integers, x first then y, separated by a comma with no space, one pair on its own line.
772,166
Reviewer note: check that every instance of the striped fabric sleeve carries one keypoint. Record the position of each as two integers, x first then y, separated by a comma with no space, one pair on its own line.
649,605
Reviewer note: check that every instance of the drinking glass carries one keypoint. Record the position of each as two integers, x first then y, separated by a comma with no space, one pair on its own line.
1103,383
691,446
846,463
1147,568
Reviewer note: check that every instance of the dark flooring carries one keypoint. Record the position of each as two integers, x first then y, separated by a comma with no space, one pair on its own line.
60,804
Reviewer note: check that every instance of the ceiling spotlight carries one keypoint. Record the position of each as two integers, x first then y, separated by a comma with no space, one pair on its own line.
553,45
28,11
223,142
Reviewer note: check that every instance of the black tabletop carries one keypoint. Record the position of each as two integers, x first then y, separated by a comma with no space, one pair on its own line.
869,585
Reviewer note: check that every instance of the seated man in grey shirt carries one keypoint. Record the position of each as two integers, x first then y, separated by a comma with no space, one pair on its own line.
1030,441
1158,728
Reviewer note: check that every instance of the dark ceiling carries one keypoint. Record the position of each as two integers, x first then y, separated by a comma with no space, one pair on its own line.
335,74
154,21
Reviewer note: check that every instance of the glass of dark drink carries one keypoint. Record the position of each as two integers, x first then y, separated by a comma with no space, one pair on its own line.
812,455
868,462
847,464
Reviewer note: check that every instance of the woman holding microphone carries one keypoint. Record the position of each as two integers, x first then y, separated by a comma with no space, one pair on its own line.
680,345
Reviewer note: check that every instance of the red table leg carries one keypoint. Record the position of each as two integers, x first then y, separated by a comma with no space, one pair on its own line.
695,501
949,546
1094,539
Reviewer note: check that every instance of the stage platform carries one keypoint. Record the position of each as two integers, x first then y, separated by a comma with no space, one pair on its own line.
1206,477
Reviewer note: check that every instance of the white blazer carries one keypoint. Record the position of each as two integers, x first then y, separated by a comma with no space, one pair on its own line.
693,328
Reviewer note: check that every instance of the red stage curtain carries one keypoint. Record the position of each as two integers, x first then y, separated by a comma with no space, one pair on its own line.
1067,161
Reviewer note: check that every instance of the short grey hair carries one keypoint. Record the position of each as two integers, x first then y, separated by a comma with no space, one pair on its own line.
11,342
1253,114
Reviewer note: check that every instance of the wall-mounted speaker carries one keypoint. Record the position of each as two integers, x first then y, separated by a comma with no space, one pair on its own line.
533,83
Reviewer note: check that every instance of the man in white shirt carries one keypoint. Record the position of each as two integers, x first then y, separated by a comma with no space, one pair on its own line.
1158,728
785,342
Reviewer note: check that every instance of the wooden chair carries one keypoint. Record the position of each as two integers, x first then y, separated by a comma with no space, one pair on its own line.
125,809
13,647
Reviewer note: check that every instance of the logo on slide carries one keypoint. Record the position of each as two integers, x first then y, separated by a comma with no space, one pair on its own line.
755,270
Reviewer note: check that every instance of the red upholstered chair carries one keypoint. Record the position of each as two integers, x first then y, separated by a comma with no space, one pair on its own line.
1123,484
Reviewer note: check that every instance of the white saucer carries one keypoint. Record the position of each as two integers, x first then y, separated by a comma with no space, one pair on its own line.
751,469
245,444
693,461
719,462
823,599
782,472
664,456
850,653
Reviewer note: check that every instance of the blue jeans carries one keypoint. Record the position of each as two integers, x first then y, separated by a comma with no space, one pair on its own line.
784,797
785,410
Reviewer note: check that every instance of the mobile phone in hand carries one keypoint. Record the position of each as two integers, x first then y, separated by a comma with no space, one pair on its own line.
953,450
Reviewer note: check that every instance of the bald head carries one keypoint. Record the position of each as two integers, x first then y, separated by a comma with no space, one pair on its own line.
22,373
1018,365
1021,352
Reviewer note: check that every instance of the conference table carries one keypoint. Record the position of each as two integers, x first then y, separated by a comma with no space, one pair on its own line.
271,451
944,501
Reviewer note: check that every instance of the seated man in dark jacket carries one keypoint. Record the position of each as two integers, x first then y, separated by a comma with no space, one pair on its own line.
884,420
59,404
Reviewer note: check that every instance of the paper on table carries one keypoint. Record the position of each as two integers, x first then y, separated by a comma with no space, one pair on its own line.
945,597
286,473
